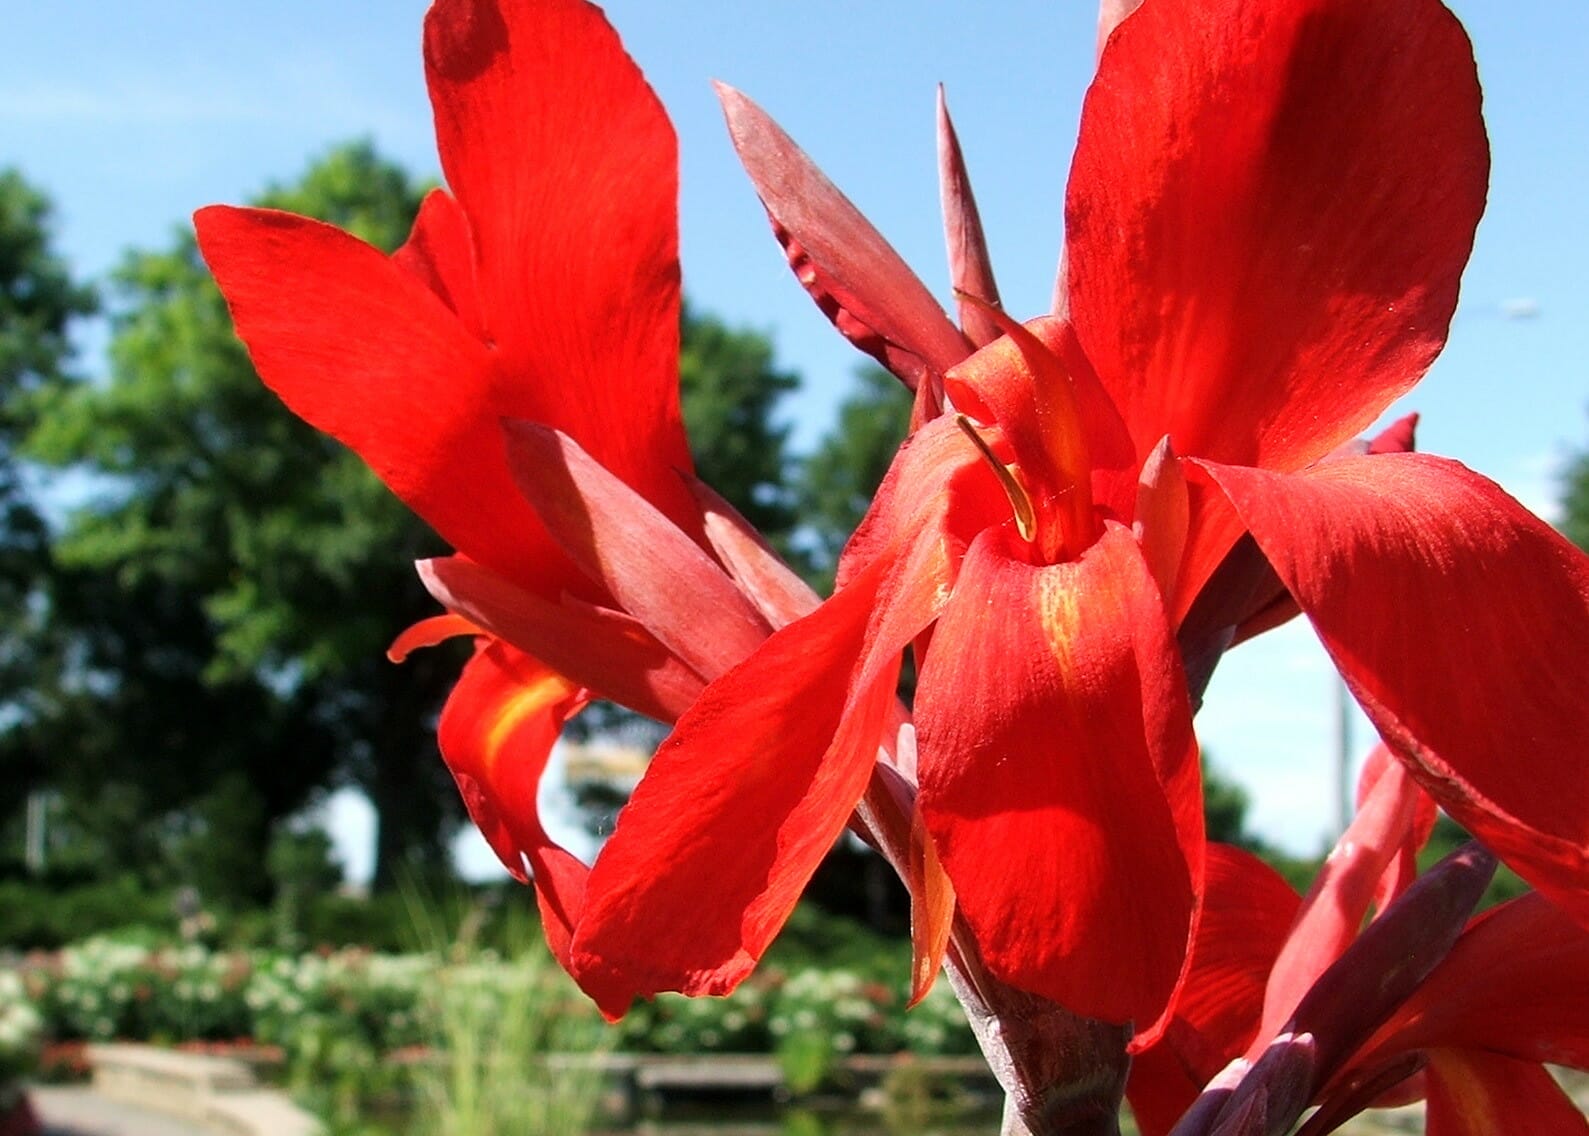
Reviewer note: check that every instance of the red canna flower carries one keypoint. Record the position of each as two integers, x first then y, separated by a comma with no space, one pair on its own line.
1267,219
540,288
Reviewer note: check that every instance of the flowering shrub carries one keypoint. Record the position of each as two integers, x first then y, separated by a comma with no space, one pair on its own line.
350,993
103,989
21,1032
378,1004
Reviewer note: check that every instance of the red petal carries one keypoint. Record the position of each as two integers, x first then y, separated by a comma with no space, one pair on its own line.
439,252
566,167
855,276
738,808
496,733
1247,911
1045,784
1516,983
932,908
970,270
428,633
1267,217
1403,869
1480,1094
1458,619
1110,13
603,650
362,349
761,574
1333,912
639,557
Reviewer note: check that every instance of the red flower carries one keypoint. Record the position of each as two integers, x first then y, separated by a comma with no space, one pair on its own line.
1484,1009
1266,222
540,288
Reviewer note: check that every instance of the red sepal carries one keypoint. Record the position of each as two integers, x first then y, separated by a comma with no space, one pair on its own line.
970,268
853,274
603,650
623,543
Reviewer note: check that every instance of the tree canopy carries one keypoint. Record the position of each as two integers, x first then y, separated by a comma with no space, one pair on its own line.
39,303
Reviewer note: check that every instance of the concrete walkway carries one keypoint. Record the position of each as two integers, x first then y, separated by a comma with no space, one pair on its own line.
75,1110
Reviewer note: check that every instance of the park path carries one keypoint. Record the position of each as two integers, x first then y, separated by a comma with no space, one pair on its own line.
75,1110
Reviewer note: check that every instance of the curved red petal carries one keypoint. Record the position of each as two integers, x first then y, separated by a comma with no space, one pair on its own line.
496,733
855,276
1332,912
739,806
1247,911
1268,214
363,349
565,165
1046,783
760,573
1515,983
1458,619
603,650
439,252
1480,1094
1403,869
636,554
428,633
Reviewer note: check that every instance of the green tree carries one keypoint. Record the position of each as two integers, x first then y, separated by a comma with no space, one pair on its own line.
239,575
730,389
1575,500
39,302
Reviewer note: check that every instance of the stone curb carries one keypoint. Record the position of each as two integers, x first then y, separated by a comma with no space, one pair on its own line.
220,1093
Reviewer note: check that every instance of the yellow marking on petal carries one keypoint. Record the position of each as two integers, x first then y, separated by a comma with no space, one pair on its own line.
537,697
1020,501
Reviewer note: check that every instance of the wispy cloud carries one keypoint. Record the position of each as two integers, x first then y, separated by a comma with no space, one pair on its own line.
124,104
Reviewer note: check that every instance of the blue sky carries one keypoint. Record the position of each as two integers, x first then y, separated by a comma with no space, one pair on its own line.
131,114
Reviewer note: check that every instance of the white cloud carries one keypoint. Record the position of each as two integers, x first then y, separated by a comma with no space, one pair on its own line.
122,103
